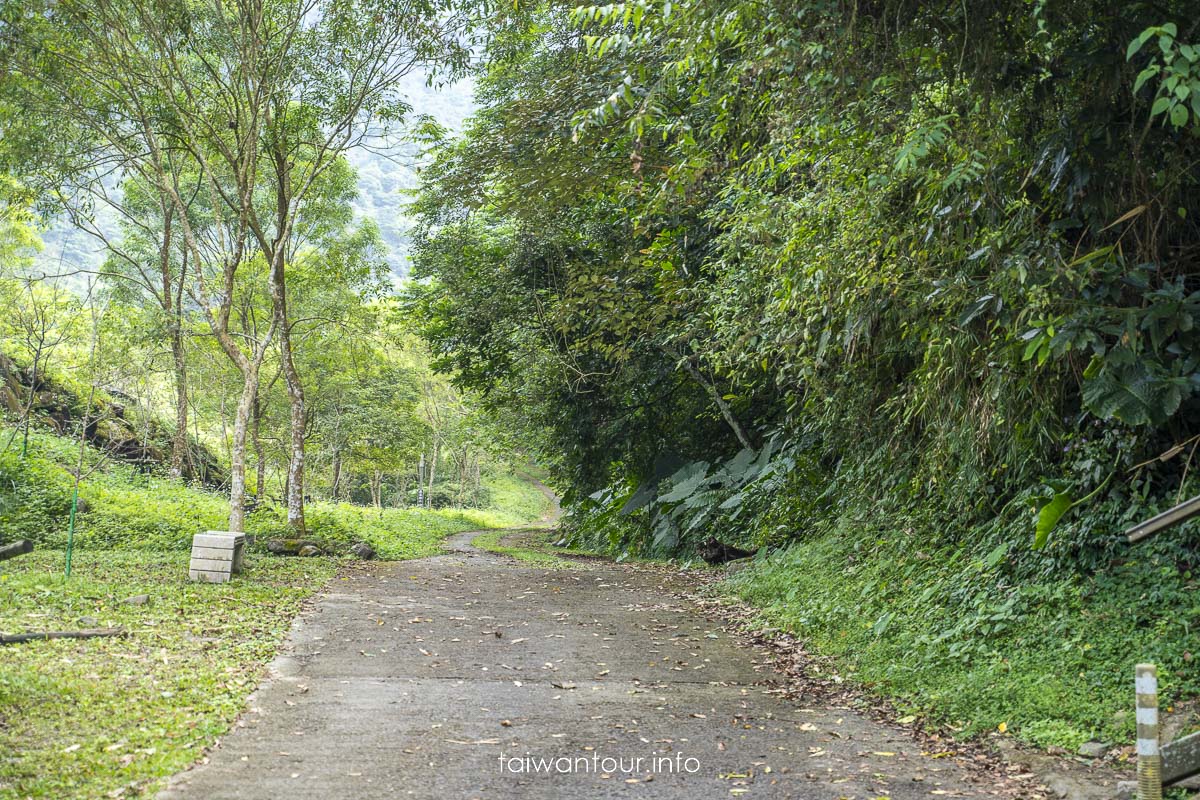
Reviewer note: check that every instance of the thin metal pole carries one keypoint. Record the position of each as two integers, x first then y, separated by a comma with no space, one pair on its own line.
1149,758
71,530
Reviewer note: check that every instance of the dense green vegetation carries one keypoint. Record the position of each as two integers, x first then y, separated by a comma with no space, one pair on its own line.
90,386
904,294
954,636
126,509
239,296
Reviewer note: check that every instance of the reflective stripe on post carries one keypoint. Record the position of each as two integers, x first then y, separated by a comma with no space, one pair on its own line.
1149,758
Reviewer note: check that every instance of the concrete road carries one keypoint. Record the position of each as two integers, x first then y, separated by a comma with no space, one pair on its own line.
471,675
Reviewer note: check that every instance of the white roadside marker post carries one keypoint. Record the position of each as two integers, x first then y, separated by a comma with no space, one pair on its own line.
1149,758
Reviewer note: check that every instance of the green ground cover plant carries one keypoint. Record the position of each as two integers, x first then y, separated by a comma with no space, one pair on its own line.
85,719
951,636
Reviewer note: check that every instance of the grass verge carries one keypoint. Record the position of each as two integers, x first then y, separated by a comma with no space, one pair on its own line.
524,546
112,717
531,545
948,635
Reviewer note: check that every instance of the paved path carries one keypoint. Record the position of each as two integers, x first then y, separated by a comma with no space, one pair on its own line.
412,679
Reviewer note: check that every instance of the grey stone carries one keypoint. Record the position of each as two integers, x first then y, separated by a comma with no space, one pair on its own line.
288,547
89,622
1126,790
363,550
137,600
1184,719
1094,749
309,550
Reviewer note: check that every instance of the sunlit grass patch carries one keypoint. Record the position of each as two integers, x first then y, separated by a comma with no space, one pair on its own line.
83,718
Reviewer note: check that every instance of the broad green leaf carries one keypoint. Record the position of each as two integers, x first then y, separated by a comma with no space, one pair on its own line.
1048,518
1138,43
1132,394
1143,76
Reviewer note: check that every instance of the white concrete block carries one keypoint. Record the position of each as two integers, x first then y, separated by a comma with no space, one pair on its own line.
222,541
212,565
208,577
214,553
218,552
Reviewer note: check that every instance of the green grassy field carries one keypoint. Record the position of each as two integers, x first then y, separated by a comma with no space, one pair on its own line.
112,717
88,718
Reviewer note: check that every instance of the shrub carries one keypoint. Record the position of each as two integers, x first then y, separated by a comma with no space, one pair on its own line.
35,498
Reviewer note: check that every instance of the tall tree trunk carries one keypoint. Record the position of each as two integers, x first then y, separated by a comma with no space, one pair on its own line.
295,391
478,485
179,442
462,476
260,463
377,488
174,313
336,489
237,459
277,257
437,449
421,481
297,418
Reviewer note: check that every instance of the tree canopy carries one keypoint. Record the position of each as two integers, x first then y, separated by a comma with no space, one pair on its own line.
946,255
